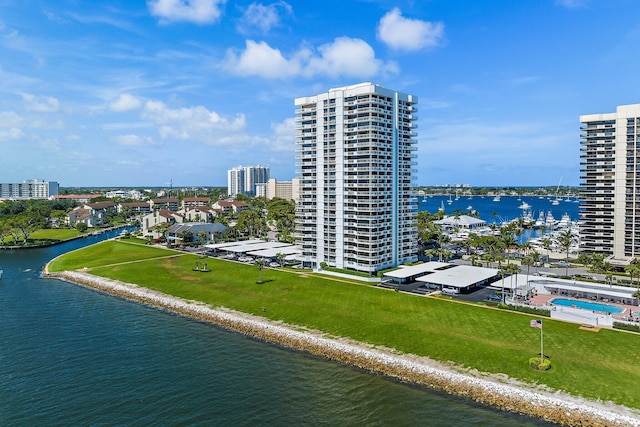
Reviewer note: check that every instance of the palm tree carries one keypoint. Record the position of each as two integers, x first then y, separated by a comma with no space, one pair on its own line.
261,262
536,258
502,272
546,243
513,269
633,270
528,261
280,257
565,240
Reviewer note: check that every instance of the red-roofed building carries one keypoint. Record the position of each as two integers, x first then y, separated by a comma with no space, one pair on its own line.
227,206
194,202
169,204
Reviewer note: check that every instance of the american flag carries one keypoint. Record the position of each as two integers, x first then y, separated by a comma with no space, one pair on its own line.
536,324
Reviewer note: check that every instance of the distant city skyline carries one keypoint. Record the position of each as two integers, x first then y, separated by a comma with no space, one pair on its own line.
141,93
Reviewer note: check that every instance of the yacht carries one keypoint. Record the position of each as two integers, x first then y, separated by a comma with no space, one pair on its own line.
565,221
524,205
496,198
550,222
540,221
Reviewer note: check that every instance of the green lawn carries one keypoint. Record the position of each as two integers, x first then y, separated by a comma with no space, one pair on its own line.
49,235
600,365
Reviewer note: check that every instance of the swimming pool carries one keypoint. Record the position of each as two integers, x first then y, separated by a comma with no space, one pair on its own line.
587,305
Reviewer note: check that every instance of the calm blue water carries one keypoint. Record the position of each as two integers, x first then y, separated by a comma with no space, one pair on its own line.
71,356
507,209
587,305
504,210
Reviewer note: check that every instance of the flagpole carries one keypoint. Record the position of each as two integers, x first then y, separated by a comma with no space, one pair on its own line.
541,344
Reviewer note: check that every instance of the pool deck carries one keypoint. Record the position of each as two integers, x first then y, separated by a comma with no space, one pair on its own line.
579,315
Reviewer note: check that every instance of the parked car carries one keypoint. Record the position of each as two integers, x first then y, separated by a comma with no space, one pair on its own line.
274,265
494,297
563,264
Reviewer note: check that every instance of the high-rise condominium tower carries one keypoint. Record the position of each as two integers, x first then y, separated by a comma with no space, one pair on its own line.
355,159
610,176
244,179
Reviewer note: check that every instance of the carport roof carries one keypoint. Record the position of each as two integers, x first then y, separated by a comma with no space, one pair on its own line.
229,244
272,252
414,270
459,276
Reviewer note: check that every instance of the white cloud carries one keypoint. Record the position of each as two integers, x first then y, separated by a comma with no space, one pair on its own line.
134,140
195,11
263,17
345,56
10,133
194,123
283,138
400,33
260,59
125,102
40,104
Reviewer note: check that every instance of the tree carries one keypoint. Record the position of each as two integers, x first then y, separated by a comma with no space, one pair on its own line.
261,262
634,270
431,253
546,243
250,222
202,236
26,223
513,269
186,236
528,261
565,240
280,257
81,227
5,231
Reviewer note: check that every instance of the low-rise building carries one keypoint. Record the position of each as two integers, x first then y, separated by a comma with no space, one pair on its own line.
227,206
170,204
136,207
150,221
194,202
197,232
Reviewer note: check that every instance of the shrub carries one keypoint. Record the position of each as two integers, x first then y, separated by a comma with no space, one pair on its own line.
626,327
540,363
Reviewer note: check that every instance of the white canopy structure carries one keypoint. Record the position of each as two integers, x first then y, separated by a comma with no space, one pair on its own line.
461,221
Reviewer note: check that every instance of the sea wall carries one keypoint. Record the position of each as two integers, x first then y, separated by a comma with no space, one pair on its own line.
502,394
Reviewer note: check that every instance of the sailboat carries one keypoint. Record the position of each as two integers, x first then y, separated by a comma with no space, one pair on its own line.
441,208
449,201
557,200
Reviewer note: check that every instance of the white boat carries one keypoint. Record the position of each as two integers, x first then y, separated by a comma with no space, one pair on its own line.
496,198
540,221
524,205
565,221
555,202
469,208
550,222
449,201
441,208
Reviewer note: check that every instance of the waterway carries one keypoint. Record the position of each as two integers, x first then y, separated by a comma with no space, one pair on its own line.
506,209
72,356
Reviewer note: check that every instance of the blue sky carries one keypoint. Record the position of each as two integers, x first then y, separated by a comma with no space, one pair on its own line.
141,93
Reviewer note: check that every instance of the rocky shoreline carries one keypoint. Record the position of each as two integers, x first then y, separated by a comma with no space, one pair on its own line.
503,394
